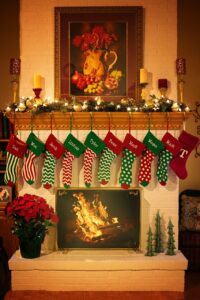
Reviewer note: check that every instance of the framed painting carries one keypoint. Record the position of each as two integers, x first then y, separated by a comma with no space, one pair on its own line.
98,218
98,52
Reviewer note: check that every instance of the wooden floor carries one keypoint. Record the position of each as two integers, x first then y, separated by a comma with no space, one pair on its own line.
44,295
192,292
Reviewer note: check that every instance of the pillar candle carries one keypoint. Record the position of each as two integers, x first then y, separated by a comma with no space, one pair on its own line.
37,81
143,76
162,83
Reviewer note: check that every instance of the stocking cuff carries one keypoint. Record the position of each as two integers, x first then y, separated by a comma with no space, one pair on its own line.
113,143
188,139
54,146
73,145
16,146
133,144
94,143
35,145
152,143
171,143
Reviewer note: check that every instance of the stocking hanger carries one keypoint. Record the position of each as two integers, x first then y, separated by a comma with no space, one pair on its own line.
129,121
51,121
70,122
91,121
149,121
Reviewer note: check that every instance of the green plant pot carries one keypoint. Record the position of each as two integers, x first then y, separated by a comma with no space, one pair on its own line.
30,248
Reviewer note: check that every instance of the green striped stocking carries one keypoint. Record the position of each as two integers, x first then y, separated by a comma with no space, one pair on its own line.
48,170
11,169
104,165
126,170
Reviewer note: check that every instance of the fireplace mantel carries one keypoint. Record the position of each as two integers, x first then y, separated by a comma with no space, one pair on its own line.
100,120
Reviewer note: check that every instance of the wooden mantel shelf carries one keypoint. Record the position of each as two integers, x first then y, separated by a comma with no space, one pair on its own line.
100,120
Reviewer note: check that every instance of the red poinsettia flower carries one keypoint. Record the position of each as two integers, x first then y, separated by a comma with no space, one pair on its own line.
32,216
98,38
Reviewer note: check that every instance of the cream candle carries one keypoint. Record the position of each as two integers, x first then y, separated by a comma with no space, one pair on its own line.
37,81
143,76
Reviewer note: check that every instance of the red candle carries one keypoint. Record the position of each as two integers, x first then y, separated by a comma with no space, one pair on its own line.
162,83
180,66
15,66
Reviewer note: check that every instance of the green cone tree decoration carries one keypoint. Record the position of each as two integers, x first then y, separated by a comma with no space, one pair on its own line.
171,240
158,234
150,247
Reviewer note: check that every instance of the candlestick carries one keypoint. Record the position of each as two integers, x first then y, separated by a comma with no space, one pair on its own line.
163,86
37,81
15,72
181,71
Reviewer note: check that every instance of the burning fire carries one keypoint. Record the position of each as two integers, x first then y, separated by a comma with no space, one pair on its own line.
92,218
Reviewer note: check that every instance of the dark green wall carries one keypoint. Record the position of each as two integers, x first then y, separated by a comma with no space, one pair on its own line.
9,45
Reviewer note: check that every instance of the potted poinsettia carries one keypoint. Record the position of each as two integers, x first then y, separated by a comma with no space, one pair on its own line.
32,217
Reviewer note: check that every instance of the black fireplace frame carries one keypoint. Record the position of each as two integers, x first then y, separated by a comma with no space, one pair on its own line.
125,234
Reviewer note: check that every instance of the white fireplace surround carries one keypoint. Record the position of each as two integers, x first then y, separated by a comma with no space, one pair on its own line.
154,197
97,270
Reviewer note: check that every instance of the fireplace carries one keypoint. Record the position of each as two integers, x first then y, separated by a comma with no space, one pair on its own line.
98,218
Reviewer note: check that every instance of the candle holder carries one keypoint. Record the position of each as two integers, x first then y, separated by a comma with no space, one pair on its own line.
142,88
37,92
163,87
37,98
15,64
163,92
15,89
181,84
181,71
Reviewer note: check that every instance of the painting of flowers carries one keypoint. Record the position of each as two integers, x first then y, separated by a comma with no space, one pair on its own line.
98,58
98,52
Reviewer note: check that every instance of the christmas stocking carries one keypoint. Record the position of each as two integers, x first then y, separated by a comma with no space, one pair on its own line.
35,148
73,149
94,147
54,150
132,148
172,148
178,163
153,147
15,150
113,148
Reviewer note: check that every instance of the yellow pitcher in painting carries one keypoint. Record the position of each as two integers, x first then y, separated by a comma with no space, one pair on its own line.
94,64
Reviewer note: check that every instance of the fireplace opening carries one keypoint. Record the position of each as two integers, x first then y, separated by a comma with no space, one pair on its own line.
98,218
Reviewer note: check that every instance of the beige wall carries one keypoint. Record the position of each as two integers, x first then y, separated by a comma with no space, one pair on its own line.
9,46
189,47
37,40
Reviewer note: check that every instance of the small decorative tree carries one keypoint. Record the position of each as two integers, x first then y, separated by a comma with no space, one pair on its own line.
150,247
158,234
171,240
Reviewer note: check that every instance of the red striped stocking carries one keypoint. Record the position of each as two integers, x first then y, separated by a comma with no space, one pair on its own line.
29,170
67,168
89,156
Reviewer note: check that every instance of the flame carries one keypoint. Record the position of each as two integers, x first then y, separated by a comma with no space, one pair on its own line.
91,217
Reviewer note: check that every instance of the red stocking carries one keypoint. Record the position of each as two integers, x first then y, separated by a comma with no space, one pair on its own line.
178,163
